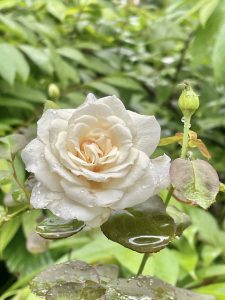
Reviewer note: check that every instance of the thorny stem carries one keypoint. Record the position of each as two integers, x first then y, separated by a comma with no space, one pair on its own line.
143,263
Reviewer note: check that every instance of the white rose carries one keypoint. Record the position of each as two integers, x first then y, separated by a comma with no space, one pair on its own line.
93,159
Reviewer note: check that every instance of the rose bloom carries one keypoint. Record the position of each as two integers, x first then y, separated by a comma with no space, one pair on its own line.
94,159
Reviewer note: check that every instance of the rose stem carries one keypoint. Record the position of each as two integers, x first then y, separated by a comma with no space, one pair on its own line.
143,263
187,123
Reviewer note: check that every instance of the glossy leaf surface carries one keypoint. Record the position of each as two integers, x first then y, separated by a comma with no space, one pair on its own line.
145,228
74,272
76,291
146,288
57,228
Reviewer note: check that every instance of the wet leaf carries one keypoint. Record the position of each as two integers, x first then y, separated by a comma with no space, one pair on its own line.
145,228
107,273
141,288
195,182
76,291
76,272
57,228
181,219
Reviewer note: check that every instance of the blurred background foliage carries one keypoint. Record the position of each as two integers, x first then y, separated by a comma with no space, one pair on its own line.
140,51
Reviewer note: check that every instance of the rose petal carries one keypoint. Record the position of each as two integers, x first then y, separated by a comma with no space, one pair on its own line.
45,121
148,132
148,185
65,208
138,167
92,197
119,110
161,167
35,162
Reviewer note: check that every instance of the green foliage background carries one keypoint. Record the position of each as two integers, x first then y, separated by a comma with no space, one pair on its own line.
141,53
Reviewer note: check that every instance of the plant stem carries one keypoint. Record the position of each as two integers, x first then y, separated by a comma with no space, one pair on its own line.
169,195
143,263
16,213
26,192
187,125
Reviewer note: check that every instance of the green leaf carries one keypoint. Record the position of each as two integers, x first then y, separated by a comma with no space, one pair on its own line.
11,144
7,67
104,88
5,152
21,261
57,9
216,289
19,195
123,82
187,257
29,220
209,253
39,57
207,10
48,104
145,228
208,229
7,232
96,64
195,182
164,265
69,272
181,219
15,103
57,228
76,291
73,54
107,272
65,71
24,92
216,270
151,288
218,57
11,62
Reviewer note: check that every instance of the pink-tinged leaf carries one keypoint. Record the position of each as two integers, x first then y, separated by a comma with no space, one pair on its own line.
196,182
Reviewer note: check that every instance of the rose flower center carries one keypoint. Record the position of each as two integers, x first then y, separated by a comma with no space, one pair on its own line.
96,148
